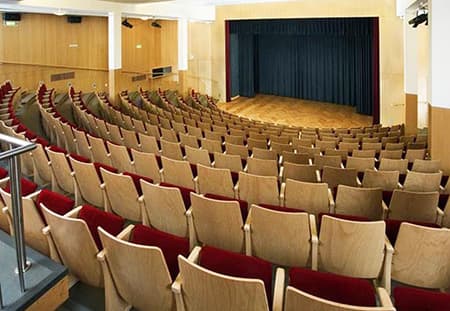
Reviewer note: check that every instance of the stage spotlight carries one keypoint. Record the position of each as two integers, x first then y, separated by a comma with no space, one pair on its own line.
421,17
127,24
155,24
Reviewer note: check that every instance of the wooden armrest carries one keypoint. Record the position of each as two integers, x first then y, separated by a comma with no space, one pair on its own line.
248,240
314,241
389,251
101,256
331,201
318,177
236,190
385,209
125,233
195,254
399,185
385,300
282,191
46,230
73,213
33,195
439,216
278,291
358,182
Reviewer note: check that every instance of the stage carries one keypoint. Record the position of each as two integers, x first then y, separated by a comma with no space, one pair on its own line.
297,112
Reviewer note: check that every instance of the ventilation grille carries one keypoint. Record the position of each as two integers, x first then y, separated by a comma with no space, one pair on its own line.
138,78
62,76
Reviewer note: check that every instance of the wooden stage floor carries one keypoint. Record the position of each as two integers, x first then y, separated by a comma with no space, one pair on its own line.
297,112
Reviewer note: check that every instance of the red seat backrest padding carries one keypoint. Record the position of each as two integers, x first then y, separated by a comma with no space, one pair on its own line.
80,158
55,148
185,193
170,245
3,173
412,299
94,218
27,187
56,202
333,287
237,265
137,180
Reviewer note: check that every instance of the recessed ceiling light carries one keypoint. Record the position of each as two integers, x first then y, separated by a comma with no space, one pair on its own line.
60,12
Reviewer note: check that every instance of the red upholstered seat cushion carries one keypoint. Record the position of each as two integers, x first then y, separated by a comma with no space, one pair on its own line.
30,135
345,217
3,173
21,128
55,148
414,299
393,227
111,169
185,193
56,202
94,218
333,287
237,265
281,208
42,141
28,187
243,205
170,245
79,158
137,180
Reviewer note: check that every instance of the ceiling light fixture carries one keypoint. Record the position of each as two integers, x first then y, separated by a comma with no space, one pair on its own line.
60,12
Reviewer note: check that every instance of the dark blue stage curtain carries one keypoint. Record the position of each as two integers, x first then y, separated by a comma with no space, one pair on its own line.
326,59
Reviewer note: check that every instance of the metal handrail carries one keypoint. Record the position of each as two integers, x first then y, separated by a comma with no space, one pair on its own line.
20,147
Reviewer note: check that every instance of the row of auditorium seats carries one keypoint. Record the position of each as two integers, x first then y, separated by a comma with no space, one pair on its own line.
197,274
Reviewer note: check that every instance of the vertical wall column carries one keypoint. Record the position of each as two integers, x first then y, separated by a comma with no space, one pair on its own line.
439,91
183,45
114,53
411,78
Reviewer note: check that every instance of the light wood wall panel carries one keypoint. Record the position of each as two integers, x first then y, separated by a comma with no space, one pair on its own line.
42,39
159,46
391,41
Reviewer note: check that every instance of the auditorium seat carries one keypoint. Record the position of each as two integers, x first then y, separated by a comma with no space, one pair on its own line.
215,181
149,144
146,164
264,154
240,150
282,238
257,166
421,260
211,145
130,139
415,206
42,172
335,176
62,180
300,172
120,158
414,154
293,157
88,185
326,144
197,156
256,143
99,151
422,182
188,140
168,135
70,145
296,299
348,146
194,131
179,128
256,189
212,277
426,166
364,154
178,173
400,165
217,223
233,162
82,145
361,202
360,164
324,160
171,150
136,275
77,241
122,195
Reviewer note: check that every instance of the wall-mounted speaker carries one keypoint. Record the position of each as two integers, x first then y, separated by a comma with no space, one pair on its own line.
13,17
74,19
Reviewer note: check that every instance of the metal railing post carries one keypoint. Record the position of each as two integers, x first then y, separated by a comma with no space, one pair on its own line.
16,199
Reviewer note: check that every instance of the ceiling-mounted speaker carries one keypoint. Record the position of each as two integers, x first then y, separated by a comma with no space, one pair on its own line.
11,17
155,24
74,19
